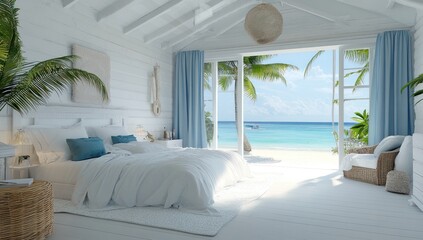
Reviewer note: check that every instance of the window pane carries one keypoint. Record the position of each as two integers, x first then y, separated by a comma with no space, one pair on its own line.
208,103
227,132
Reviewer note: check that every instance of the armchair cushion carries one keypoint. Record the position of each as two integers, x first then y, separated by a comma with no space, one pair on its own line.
388,144
359,160
404,159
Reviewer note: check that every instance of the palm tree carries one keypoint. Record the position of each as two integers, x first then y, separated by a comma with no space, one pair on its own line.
253,68
24,86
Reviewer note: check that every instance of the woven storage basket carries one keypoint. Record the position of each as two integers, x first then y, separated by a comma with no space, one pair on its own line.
26,212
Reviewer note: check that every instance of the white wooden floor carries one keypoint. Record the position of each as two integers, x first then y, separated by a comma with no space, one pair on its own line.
301,204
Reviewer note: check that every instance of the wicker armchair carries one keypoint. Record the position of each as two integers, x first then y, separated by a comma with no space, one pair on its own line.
385,163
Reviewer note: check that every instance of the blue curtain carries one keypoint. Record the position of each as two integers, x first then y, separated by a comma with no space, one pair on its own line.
188,99
391,112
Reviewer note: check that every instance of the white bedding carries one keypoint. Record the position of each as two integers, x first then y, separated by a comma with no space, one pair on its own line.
184,178
63,175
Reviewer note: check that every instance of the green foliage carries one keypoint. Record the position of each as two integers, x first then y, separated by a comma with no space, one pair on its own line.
413,84
360,130
24,86
349,142
360,56
209,127
253,68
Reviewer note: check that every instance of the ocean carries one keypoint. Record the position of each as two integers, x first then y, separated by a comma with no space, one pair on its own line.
281,135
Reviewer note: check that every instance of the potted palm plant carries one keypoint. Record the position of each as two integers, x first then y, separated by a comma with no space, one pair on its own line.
26,85
413,84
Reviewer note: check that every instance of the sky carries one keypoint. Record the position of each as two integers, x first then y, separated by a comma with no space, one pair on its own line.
300,100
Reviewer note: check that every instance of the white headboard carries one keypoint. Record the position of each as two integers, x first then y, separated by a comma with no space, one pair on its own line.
68,115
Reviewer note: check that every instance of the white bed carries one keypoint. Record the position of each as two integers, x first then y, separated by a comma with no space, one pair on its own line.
133,174
63,175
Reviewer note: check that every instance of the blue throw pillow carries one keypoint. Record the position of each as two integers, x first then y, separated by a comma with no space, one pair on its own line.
85,148
123,139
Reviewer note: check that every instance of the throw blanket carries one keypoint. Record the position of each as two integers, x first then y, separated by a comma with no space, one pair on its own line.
184,178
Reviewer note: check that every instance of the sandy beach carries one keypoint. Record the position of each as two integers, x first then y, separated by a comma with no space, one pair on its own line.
294,158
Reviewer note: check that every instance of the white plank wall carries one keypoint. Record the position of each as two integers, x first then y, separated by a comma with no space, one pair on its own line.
48,30
418,66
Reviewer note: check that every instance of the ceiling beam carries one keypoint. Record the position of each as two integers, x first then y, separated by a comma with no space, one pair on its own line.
68,3
398,14
304,7
151,15
176,24
234,21
112,9
169,28
231,9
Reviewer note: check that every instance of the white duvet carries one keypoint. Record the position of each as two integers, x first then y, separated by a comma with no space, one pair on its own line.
183,178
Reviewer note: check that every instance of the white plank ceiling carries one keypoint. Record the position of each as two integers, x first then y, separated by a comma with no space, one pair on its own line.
219,24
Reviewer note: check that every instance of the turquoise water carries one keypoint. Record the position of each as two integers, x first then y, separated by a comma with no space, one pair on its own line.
281,135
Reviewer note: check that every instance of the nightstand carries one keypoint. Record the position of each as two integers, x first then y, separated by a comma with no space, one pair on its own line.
21,171
6,151
175,143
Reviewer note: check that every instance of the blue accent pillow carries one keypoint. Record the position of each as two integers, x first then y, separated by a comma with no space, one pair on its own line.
123,139
86,148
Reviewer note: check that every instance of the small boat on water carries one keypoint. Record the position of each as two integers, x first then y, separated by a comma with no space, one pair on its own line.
252,126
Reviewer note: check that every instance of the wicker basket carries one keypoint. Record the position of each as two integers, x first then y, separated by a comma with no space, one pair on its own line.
26,212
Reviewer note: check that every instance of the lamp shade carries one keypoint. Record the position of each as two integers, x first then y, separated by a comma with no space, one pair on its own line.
264,23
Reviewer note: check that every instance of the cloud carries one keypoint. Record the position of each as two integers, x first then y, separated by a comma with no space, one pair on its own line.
275,107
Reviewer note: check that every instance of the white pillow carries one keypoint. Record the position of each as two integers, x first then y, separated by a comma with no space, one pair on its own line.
141,147
404,159
106,132
50,143
359,160
388,144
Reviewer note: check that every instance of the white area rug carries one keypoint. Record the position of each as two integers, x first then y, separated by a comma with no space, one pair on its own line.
228,203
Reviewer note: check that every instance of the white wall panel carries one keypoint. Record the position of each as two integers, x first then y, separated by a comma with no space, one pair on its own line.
48,30
418,67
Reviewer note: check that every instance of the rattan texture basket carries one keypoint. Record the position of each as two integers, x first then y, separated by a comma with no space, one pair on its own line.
26,212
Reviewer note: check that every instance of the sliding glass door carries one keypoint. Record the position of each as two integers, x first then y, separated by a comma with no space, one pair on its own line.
224,104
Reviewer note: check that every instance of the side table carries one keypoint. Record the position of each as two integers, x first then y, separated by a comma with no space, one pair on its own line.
26,212
6,151
21,171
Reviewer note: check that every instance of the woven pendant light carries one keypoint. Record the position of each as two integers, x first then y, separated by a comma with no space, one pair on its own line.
264,23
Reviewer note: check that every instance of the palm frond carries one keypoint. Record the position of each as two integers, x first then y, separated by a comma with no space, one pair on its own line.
253,60
249,89
362,72
12,59
358,55
46,77
413,83
23,86
311,62
270,72
225,82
